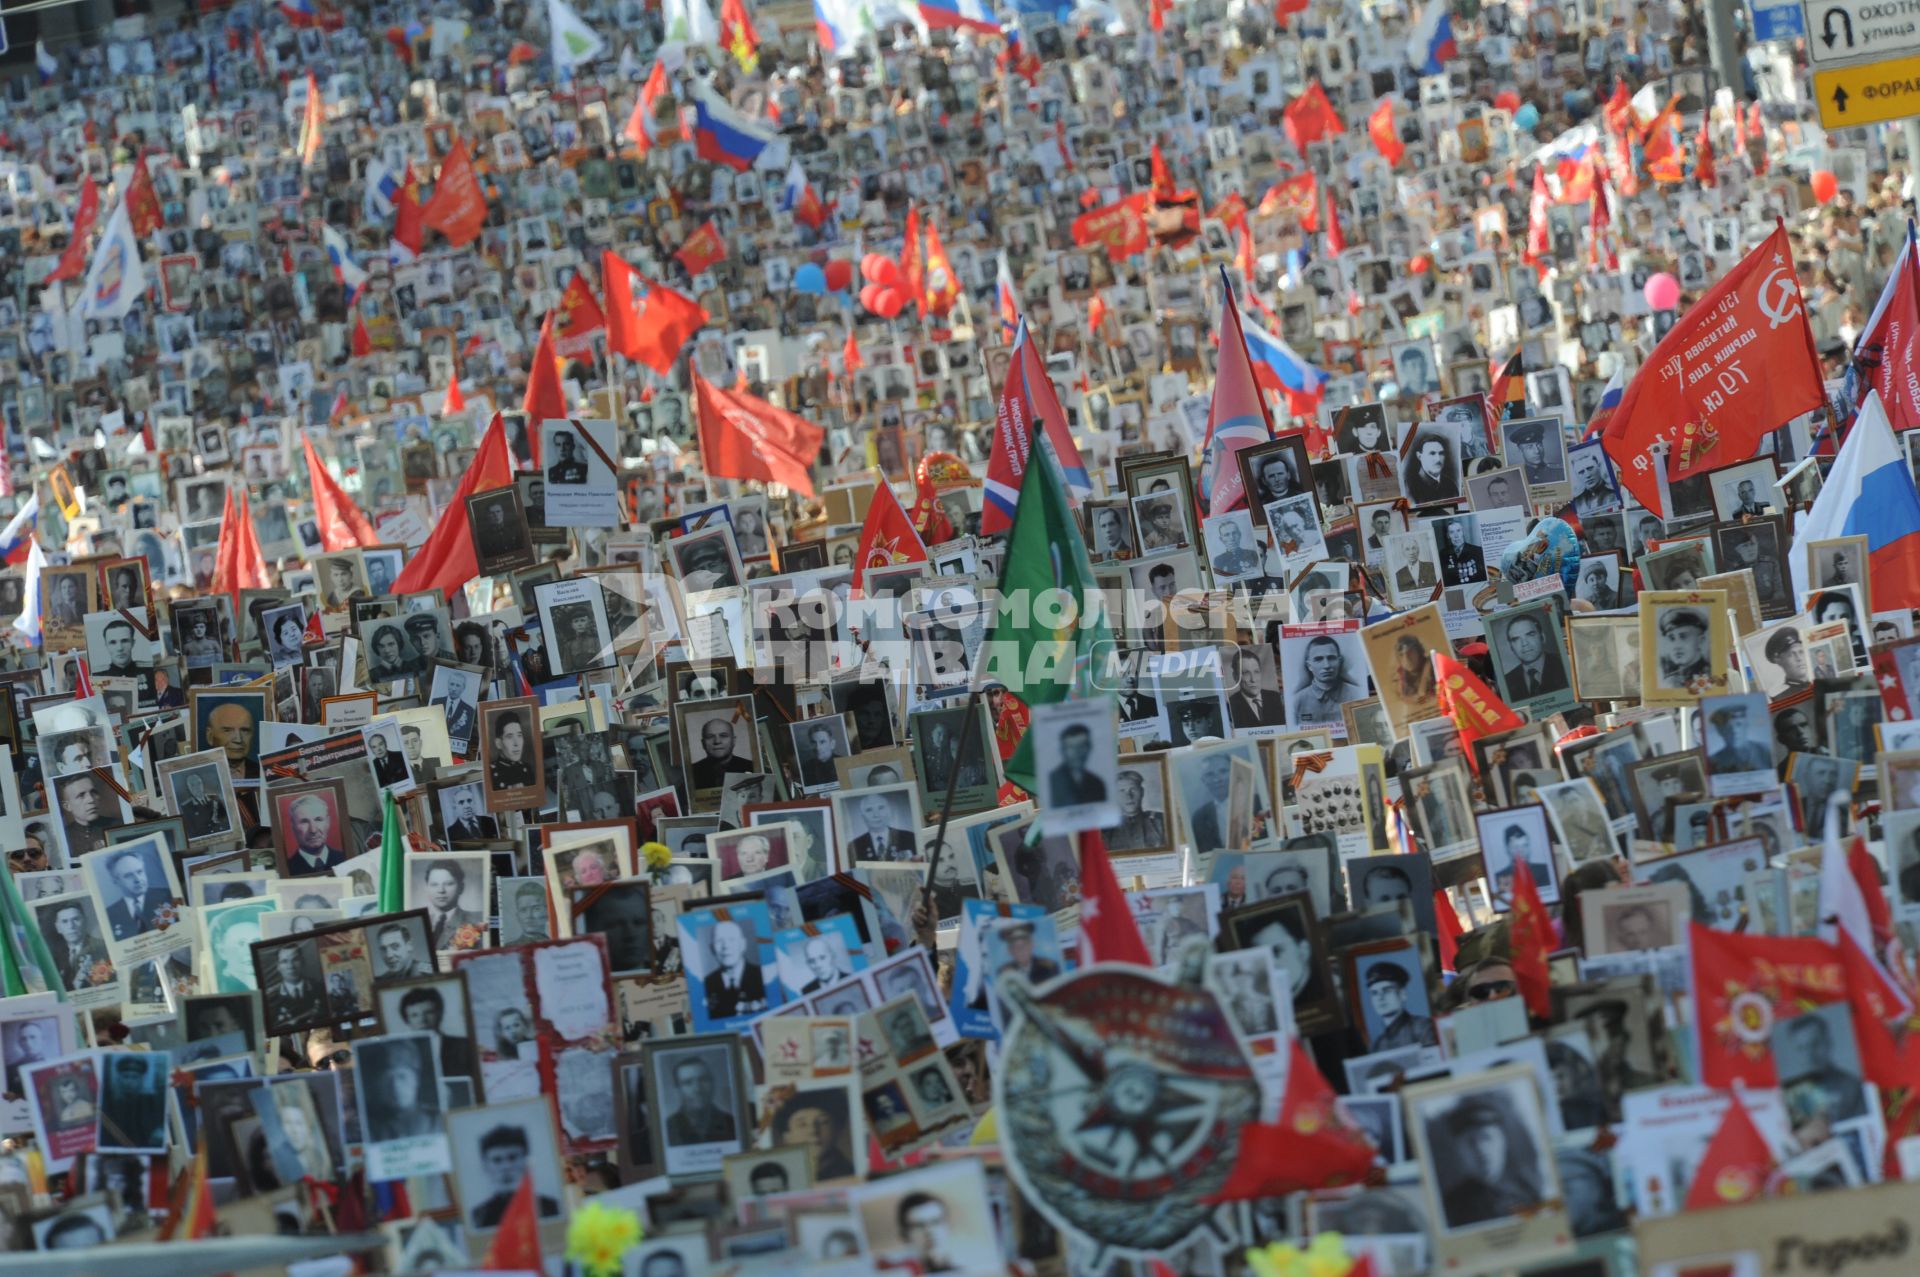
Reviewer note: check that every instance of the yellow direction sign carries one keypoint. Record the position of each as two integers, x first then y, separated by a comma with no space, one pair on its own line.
1869,93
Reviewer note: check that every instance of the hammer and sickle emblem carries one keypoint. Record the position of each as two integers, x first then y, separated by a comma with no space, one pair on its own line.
1779,299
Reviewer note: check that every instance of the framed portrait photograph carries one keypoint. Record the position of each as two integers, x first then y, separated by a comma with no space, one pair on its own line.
1656,785
1430,466
1286,926
1745,490
311,832
1510,836
574,624
199,789
397,1086
1487,1163
880,822
452,888
1636,918
1397,655
1686,640
495,1147
718,741
502,540
697,1086
137,892
1276,471
936,733
510,754
1759,545
729,963
1390,999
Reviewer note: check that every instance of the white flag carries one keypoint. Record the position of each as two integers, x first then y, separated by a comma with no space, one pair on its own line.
116,279
573,40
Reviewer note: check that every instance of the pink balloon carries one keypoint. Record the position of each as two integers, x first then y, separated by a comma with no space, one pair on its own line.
1662,292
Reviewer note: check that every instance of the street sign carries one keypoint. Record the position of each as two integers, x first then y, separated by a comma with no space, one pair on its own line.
1870,93
1847,30
1776,20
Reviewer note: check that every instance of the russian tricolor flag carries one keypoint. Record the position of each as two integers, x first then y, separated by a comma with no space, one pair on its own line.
1869,492
722,135
972,15
345,269
1609,400
19,531
1430,45
1277,367
44,62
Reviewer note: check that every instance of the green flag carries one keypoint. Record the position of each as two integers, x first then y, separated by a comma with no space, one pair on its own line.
393,860
1049,637
26,964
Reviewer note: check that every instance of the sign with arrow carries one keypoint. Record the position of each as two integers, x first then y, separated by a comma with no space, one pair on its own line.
1848,30
1868,92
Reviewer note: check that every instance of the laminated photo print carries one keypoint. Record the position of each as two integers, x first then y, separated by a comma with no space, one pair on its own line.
971,999
819,954
730,966
1025,950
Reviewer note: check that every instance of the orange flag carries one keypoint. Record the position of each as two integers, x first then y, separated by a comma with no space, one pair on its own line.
237,562
342,526
1530,937
1735,1167
1470,703
742,437
458,208
545,399
446,560
516,1247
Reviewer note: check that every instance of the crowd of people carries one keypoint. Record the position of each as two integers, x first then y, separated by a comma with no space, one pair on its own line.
544,720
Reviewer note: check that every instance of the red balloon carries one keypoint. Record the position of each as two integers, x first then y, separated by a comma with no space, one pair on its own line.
1418,266
1825,186
887,273
870,267
889,303
867,293
1507,100
839,274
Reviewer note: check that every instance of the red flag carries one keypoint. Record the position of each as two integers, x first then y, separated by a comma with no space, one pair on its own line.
73,258
581,319
545,398
1163,188
1739,363
1618,109
407,214
638,130
1119,228
455,401
1297,197
1703,157
362,340
1237,417
516,1247
1314,1145
1539,234
190,1213
1469,702
1096,315
1386,138
888,536
942,285
342,526
1735,1167
1107,930
912,265
850,359
143,206
237,562
1448,924
1742,986
1336,238
446,561
1600,227
737,35
742,437
1890,346
1310,117
458,208
1530,938
646,322
702,249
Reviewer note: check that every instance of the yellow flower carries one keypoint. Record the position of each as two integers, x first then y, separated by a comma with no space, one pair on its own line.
599,1235
1326,1257
656,854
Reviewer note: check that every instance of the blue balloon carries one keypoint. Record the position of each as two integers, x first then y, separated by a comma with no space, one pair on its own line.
809,279
1526,117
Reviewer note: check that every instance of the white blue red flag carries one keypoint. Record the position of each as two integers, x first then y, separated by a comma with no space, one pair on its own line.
1869,492
1238,417
1430,45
